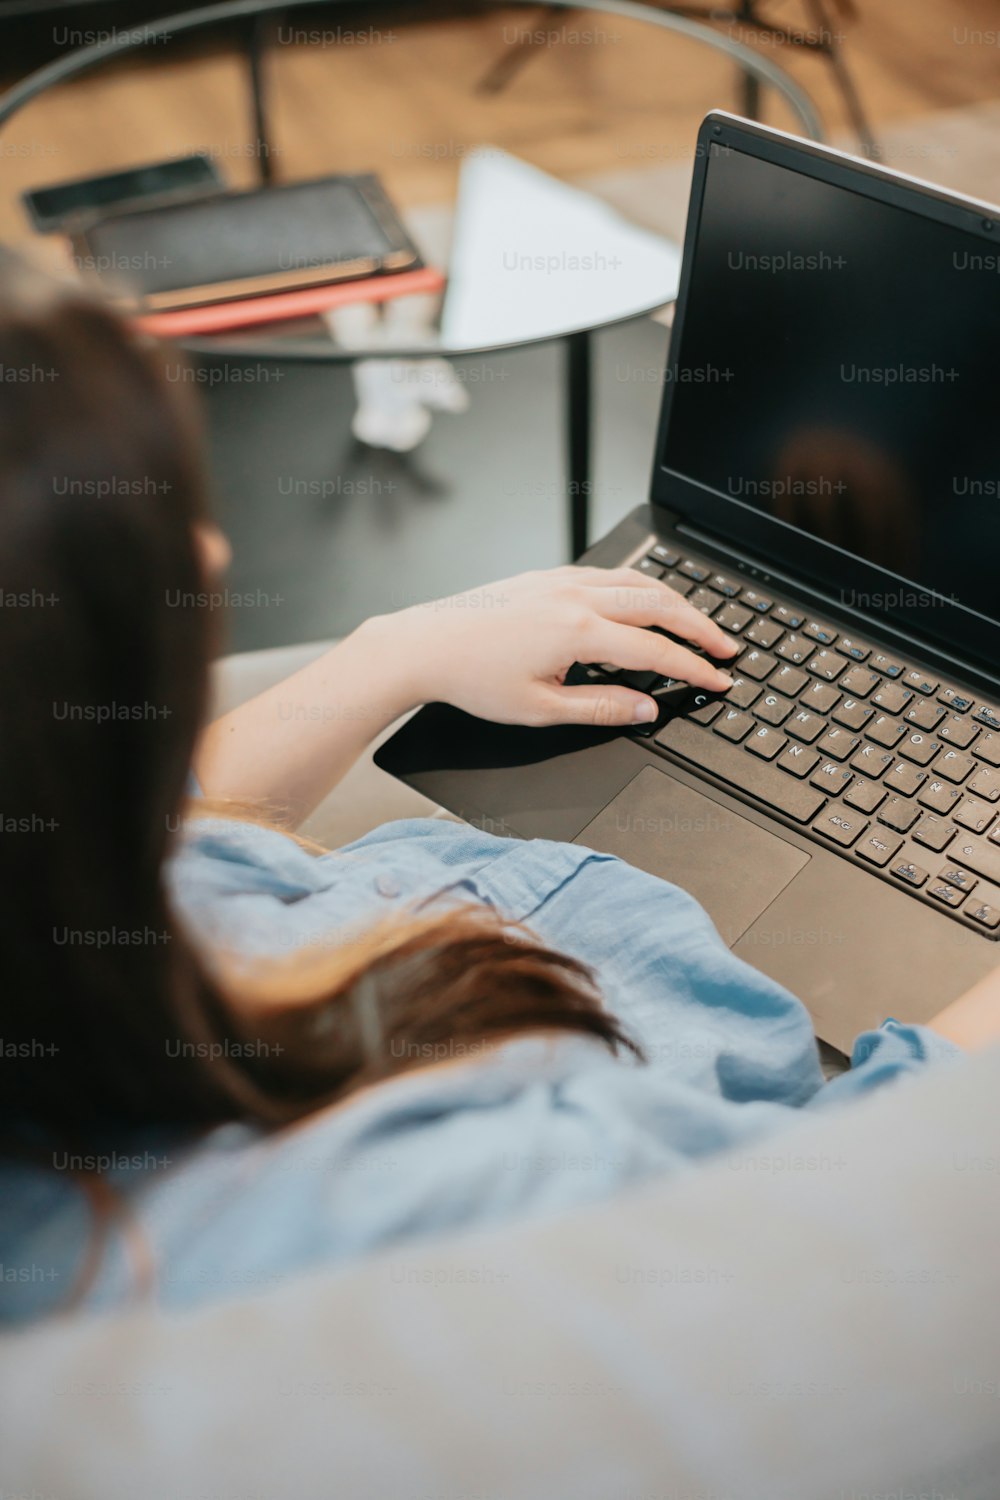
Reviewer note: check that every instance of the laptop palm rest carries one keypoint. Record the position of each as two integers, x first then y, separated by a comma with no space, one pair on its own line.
732,866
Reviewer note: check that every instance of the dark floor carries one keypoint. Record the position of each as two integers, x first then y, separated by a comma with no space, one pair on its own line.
325,531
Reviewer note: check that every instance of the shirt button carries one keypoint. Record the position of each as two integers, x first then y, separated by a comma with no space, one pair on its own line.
387,886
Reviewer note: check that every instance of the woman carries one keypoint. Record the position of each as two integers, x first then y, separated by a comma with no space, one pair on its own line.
227,1057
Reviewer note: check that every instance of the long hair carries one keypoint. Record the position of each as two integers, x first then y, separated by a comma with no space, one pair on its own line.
108,1015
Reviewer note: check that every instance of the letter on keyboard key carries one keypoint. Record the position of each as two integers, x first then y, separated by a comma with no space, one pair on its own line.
841,825
731,764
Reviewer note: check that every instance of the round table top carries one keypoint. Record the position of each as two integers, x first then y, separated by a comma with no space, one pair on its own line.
529,250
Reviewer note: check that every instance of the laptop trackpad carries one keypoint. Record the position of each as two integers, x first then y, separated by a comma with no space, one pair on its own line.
733,867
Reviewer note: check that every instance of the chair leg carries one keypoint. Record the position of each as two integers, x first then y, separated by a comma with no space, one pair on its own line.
842,74
510,63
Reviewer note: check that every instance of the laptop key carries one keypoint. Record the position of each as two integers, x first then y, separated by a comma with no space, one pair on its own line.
934,832
734,617
871,761
919,747
733,725
694,570
787,617
831,778
899,814
827,664
985,915
838,743
942,891
756,664
852,714
858,681
952,698
986,748
866,796
795,648
820,697
772,708
985,783
953,765
905,780
924,715
805,726
975,815
909,872
766,742
988,716
678,583
878,848
979,857
757,778
791,681
885,731
743,692
825,634
756,601
891,697
728,587
854,649
648,565
764,633
797,760
665,555
706,714
707,600
886,665
842,825
956,876
671,692
939,796
958,731
920,682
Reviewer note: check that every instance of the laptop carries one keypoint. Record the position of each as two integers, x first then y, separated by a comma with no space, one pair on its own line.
826,485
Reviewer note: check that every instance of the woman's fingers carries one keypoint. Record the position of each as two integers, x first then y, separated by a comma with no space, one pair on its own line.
645,605
605,705
645,651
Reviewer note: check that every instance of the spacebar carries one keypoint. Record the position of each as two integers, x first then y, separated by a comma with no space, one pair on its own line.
706,751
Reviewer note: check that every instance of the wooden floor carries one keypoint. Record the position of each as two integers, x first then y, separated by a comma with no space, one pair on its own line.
599,95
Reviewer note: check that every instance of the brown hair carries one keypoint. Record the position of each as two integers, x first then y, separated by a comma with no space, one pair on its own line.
108,1015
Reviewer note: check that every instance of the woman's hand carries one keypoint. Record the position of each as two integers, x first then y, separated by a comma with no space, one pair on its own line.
502,652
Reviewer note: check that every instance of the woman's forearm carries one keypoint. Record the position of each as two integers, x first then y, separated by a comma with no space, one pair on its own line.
501,651
289,746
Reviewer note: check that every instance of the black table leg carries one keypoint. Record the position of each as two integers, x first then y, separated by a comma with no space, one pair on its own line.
255,49
578,411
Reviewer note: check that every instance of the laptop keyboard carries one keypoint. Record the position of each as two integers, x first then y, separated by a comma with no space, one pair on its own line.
862,750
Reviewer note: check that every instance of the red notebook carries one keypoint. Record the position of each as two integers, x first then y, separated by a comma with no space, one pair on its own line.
217,317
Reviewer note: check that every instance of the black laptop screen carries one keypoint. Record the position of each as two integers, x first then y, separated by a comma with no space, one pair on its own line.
839,370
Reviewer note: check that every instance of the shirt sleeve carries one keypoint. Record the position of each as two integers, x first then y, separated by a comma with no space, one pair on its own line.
892,1051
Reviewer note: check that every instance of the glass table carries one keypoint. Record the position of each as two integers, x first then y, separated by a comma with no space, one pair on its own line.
530,255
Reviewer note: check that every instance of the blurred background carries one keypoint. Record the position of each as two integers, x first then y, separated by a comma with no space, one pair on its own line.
325,528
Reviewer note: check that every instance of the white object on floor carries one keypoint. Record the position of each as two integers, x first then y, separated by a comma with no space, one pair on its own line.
532,256
396,397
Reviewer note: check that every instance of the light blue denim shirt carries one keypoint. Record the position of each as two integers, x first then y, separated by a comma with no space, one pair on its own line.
532,1127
